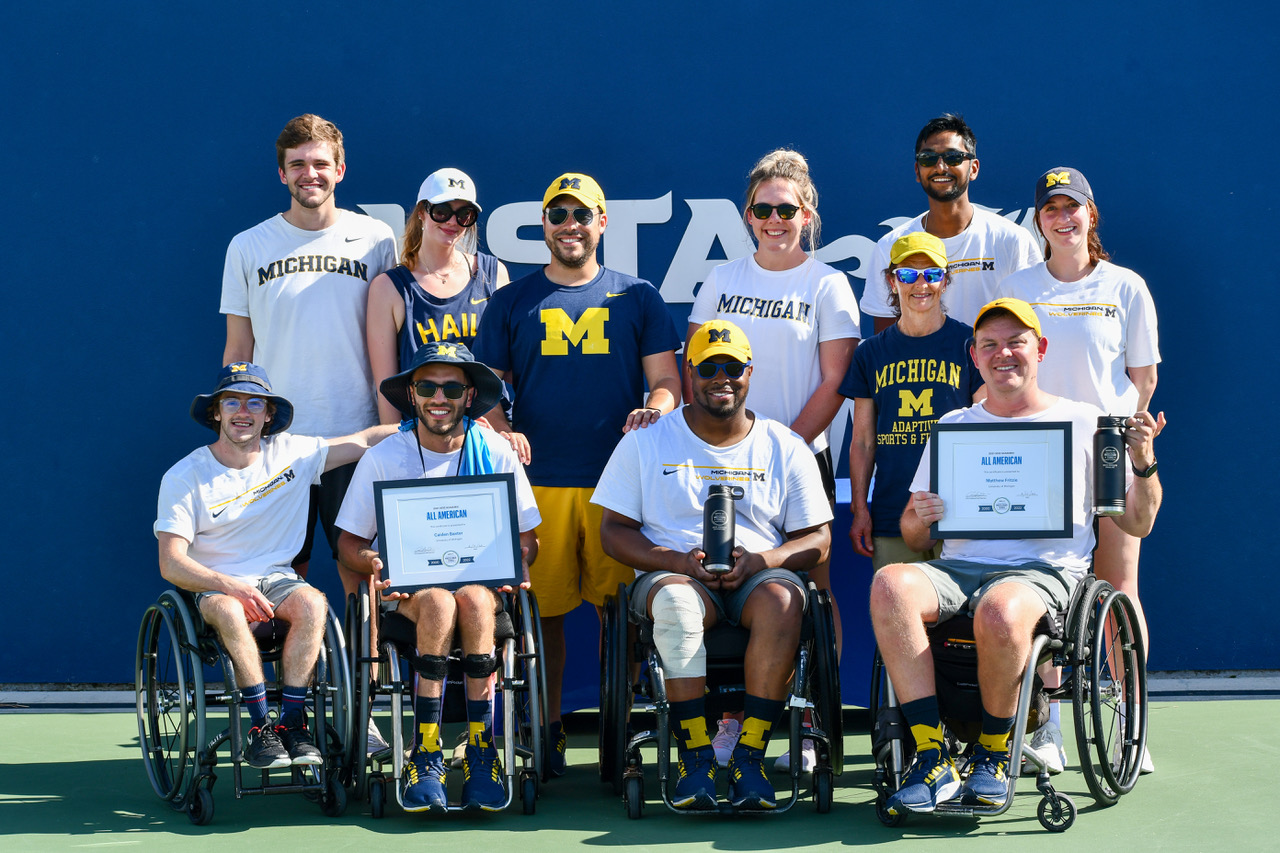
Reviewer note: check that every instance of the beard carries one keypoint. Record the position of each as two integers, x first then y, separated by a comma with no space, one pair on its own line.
588,252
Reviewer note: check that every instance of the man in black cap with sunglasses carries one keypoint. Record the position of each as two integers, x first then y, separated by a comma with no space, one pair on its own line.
652,493
983,247
578,342
442,392
230,518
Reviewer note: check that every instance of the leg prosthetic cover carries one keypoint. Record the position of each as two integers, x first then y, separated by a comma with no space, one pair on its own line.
677,631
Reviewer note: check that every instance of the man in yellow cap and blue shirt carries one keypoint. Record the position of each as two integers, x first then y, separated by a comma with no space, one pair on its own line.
575,327
653,491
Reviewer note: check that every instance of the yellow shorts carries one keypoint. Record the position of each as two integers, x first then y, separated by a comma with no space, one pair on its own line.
571,565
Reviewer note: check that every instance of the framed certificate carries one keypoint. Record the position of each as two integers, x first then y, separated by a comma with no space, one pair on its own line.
1011,481
449,531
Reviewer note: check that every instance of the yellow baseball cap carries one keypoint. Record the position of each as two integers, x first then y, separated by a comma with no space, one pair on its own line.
919,243
1017,308
582,187
718,337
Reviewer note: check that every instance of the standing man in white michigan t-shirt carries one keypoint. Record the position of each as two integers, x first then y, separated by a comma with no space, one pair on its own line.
982,248
295,289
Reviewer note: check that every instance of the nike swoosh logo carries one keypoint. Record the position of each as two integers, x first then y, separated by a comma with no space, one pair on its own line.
219,512
475,301
672,471
353,239
611,295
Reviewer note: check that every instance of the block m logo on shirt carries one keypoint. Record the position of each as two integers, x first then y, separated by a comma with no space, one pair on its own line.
909,403
587,333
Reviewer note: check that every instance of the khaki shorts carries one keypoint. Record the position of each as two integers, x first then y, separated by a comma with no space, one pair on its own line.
571,565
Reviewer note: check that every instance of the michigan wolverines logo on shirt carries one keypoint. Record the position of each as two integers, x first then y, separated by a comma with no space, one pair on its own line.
313,263
587,333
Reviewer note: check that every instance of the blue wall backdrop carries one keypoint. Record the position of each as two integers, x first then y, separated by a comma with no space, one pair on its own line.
139,138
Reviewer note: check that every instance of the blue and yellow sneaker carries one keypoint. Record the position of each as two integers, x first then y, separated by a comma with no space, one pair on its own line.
556,762
988,780
696,779
749,787
422,787
931,779
482,786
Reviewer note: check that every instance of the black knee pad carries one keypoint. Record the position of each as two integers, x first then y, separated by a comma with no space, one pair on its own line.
479,666
430,667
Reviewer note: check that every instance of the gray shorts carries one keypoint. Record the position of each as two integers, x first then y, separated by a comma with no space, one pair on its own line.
276,586
960,584
728,604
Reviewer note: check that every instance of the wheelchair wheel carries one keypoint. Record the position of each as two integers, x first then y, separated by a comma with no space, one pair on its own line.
634,795
529,792
200,809
615,690
828,710
1084,683
531,702
823,790
1056,812
1119,693
377,799
884,815
169,691
358,629
340,729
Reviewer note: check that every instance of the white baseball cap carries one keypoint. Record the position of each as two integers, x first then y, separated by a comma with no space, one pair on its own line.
448,185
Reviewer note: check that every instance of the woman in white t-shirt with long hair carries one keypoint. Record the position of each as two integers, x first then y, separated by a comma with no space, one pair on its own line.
1103,344
800,314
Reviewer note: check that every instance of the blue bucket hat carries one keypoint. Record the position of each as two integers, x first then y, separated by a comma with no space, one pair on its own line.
245,378
487,384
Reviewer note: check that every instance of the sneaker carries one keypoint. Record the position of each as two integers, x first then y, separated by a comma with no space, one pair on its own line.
422,787
459,753
482,779
556,762
695,779
727,733
808,758
931,779
749,788
264,749
1148,766
1046,743
374,741
296,739
988,781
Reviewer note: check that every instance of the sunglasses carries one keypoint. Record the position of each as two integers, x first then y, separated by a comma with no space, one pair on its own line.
557,215
760,210
452,390
443,212
907,275
951,157
732,369
255,405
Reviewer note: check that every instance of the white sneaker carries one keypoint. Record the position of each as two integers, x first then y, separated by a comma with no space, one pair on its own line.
808,758
1046,743
375,742
727,734
1148,766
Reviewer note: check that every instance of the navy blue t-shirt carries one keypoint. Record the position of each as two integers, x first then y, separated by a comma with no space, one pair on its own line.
913,382
575,359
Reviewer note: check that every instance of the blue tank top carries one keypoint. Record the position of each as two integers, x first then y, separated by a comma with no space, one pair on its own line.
429,318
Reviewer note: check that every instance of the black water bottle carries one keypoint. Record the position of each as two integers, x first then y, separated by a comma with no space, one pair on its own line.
1108,466
718,528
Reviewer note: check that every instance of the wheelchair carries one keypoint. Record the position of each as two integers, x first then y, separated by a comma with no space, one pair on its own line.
521,725
1100,647
815,687
174,695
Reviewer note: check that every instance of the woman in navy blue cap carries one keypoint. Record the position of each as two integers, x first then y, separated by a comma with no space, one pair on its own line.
441,286
1103,344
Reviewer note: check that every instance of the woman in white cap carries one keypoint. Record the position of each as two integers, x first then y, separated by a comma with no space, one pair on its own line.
801,318
441,286
1103,345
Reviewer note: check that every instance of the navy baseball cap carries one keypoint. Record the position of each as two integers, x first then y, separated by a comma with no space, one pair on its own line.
1062,180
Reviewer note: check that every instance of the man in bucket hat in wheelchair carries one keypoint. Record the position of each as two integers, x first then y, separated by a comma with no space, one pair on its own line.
230,518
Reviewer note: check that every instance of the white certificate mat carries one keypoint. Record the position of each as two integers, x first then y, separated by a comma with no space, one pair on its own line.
1002,482
449,531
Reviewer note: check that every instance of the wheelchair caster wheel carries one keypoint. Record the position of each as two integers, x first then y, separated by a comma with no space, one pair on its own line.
334,801
1056,812
200,809
377,798
823,790
529,792
634,793
883,813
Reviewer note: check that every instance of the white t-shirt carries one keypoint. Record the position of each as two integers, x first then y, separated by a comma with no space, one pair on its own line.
396,458
785,315
306,293
660,477
1071,555
243,522
1096,328
978,258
